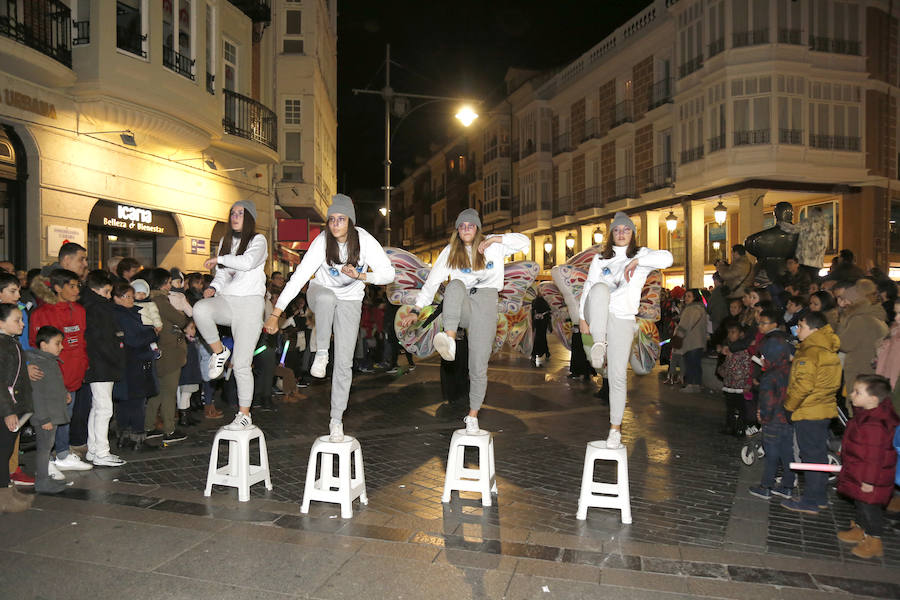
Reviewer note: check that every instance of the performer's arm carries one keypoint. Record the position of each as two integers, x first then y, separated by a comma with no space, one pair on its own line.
594,274
254,256
312,260
382,271
439,272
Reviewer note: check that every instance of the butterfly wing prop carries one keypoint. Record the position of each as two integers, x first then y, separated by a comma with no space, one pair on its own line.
410,276
559,315
418,338
521,333
513,308
645,350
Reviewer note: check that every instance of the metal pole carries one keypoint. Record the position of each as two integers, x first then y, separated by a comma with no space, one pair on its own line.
387,94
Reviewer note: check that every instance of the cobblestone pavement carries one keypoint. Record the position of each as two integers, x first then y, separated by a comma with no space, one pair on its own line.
695,529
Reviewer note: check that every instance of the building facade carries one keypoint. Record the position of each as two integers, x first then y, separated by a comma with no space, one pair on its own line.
134,141
689,104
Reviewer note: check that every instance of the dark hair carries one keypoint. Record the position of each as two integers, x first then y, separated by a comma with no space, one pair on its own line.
698,296
274,273
192,277
98,278
846,255
70,249
158,278
126,264
32,273
6,309
8,279
333,251
815,319
60,277
771,315
734,325
248,230
798,300
876,385
843,285
764,295
608,251
765,306
121,288
825,299
45,334
793,258
739,250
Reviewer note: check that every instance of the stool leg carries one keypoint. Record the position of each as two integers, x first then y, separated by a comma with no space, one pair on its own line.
310,480
493,472
243,470
344,485
587,478
264,459
360,475
234,458
449,476
213,463
624,492
484,474
326,479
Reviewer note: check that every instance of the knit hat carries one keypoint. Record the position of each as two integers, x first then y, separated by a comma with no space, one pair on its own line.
140,286
341,204
469,215
247,206
176,274
622,219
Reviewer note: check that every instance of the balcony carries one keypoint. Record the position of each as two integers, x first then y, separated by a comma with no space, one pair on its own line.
716,47
790,36
691,155
181,64
590,198
248,119
211,83
619,189
750,137
45,27
824,44
495,152
591,130
82,33
562,144
259,11
690,66
790,136
741,39
717,143
563,206
835,142
623,112
661,93
660,176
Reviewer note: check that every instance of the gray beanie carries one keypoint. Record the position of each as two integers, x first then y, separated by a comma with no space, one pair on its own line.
469,215
247,206
140,286
622,219
342,204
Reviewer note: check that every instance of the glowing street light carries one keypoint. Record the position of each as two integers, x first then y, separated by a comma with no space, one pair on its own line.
548,244
383,211
671,222
720,213
598,236
570,241
466,115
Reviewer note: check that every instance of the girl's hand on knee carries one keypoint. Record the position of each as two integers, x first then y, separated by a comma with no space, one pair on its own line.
583,327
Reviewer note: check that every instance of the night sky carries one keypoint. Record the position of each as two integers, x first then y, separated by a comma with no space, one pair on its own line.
460,48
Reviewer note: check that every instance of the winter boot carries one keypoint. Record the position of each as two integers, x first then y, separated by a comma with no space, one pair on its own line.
28,499
870,547
184,419
211,412
854,535
10,503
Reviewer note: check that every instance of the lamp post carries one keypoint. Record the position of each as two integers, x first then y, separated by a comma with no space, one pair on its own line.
598,236
389,95
720,213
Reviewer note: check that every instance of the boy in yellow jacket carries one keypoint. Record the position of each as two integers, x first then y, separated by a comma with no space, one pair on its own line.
815,378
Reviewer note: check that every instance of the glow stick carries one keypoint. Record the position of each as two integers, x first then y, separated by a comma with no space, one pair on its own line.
664,342
795,466
259,350
284,352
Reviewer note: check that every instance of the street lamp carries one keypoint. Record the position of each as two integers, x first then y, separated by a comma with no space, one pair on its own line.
570,241
383,211
466,115
671,222
548,244
598,236
720,213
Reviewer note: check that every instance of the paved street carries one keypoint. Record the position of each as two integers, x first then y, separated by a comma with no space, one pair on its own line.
146,530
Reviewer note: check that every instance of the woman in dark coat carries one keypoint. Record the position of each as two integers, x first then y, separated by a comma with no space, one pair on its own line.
540,322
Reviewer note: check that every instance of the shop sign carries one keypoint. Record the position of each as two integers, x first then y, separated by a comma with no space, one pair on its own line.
29,103
57,235
198,246
132,218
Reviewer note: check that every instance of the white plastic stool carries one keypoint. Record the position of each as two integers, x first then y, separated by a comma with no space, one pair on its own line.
238,472
341,489
482,479
605,495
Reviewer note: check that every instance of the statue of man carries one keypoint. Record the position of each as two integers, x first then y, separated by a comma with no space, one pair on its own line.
773,246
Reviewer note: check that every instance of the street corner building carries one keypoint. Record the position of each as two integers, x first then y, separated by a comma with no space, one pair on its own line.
131,126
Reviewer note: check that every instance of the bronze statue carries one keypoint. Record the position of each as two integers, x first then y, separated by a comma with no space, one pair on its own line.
773,246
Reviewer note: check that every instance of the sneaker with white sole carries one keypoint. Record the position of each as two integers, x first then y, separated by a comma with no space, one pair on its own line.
110,460
241,421
598,354
445,346
614,440
335,431
54,472
216,365
471,425
72,463
317,369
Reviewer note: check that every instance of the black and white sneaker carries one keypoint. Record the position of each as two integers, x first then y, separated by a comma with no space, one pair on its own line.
217,362
241,421
153,433
175,436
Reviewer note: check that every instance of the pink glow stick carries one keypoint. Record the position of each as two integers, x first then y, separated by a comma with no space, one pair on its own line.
795,466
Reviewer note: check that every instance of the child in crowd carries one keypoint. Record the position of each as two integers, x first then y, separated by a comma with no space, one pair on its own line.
813,383
775,351
191,376
794,311
10,294
50,398
149,311
734,370
15,401
868,463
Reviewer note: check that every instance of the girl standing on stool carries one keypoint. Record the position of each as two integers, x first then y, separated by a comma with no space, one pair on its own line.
609,303
474,264
235,298
340,257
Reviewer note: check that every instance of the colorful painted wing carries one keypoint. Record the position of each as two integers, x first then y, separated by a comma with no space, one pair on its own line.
645,351
517,278
502,333
559,317
649,307
583,259
521,333
411,274
418,339
573,279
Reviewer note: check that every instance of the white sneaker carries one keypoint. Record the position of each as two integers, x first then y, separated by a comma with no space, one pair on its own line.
445,346
614,440
471,424
241,421
54,472
598,354
110,460
217,362
317,369
336,431
72,463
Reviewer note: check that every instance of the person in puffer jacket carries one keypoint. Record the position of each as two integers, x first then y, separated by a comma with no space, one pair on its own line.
868,462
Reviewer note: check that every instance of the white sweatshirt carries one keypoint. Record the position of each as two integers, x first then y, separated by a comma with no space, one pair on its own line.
489,277
242,275
371,256
625,296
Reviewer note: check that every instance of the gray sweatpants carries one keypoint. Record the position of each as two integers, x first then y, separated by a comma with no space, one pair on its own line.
341,317
619,337
244,314
476,312
45,440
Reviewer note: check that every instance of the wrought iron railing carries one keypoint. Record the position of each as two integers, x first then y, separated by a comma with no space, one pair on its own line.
592,197
247,118
211,83
661,93
750,38
619,189
716,143
563,206
562,143
81,33
790,36
690,66
691,154
259,11
44,26
715,47
658,177
790,136
826,44
591,130
835,142
623,112
181,64
755,136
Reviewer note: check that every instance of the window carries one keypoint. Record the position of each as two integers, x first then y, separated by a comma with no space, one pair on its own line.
716,28
293,32
210,45
131,26
81,22
716,242
690,39
752,110
834,116
717,112
750,23
834,27
789,104
230,60
789,25
691,113
292,111
178,47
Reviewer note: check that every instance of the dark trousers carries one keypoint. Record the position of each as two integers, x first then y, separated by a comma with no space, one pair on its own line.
208,392
81,409
7,443
778,442
870,517
264,373
693,372
812,438
130,414
734,405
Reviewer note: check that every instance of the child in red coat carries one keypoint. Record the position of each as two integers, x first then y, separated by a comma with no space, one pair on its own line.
868,460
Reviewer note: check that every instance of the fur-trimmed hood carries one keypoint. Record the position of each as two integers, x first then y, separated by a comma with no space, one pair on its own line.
40,286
